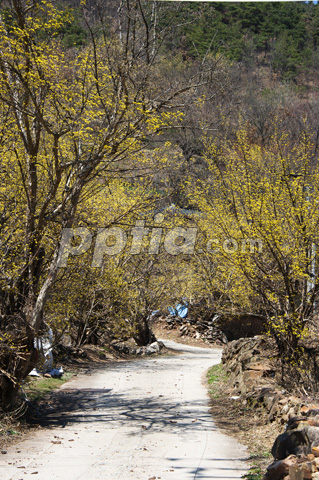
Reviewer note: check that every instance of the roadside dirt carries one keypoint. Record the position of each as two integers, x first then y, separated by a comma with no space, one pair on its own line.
247,426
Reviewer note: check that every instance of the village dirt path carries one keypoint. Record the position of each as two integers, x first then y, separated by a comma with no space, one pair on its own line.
136,420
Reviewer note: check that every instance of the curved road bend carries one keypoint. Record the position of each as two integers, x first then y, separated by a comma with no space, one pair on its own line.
140,420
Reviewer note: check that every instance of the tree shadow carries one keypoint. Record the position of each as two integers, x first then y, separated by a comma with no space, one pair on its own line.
72,406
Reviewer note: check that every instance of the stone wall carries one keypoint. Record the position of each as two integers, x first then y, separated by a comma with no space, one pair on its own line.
253,366
254,374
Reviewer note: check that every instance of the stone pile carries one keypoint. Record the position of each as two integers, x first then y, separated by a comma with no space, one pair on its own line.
251,364
296,451
151,349
206,330
217,329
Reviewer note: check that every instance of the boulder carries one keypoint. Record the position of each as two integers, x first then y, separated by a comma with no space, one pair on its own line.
303,471
295,442
278,470
301,441
153,348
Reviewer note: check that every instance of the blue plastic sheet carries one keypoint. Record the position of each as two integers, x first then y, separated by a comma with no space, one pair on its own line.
180,310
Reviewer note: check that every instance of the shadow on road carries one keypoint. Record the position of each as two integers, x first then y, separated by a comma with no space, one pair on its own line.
67,407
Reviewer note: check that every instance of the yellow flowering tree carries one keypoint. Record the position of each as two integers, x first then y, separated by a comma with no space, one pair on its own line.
117,298
260,225
69,119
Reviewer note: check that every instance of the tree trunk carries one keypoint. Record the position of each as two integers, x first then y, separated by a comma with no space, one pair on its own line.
8,393
19,364
144,334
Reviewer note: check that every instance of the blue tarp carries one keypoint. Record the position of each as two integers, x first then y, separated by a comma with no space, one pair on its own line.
180,310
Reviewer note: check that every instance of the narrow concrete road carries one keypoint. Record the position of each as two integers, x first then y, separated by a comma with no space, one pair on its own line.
139,420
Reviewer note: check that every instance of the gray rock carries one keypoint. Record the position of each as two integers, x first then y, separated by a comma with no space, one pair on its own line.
153,348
